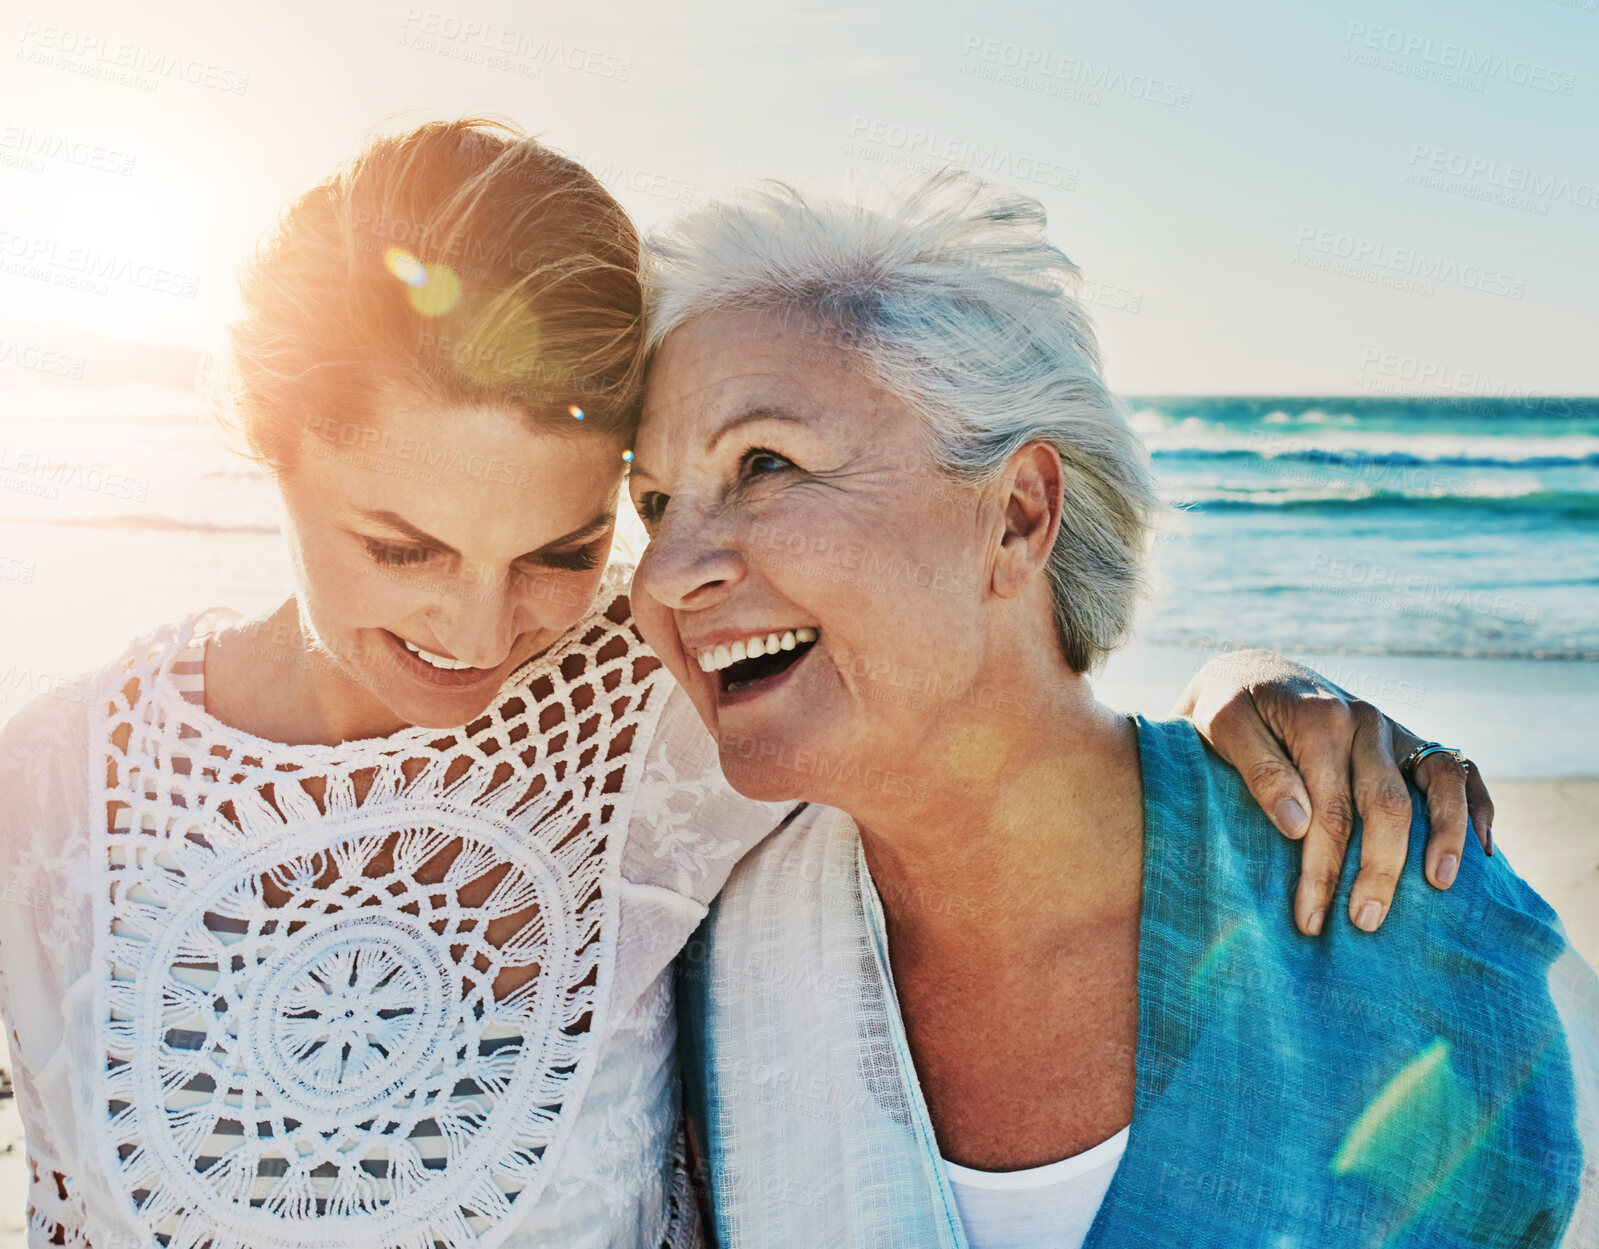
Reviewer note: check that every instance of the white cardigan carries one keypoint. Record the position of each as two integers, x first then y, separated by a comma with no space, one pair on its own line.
241,1019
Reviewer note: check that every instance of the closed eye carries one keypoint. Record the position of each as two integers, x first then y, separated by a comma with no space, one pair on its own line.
397,555
650,505
580,560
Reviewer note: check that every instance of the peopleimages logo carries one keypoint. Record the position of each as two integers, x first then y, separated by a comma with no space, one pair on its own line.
1448,59
894,143
52,475
20,355
1013,63
42,145
1398,373
1355,256
1518,180
87,268
644,181
100,55
474,39
1407,589
343,435
13,569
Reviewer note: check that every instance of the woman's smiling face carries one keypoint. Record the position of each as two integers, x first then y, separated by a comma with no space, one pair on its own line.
786,492
444,547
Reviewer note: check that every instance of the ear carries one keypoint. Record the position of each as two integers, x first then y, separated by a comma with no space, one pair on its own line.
1031,498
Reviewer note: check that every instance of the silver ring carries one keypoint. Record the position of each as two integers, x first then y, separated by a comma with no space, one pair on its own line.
1407,765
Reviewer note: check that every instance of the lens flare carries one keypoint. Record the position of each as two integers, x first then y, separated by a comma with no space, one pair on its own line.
438,294
1420,1094
575,411
434,289
405,266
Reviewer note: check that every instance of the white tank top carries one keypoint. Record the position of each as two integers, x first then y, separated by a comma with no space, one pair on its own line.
1047,1207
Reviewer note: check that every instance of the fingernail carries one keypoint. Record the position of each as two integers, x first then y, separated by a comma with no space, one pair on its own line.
1315,923
1369,917
1446,869
1291,817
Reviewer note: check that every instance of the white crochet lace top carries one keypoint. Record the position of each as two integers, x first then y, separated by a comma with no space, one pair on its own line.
412,991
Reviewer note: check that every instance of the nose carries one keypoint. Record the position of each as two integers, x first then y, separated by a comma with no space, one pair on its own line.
693,560
477,621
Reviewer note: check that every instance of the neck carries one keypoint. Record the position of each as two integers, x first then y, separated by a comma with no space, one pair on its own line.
268,679
1030,841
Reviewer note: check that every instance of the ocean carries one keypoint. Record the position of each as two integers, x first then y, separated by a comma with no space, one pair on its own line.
1450,527
1453,541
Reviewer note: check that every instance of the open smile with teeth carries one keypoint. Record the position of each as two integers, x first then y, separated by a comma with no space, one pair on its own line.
436,661
755,658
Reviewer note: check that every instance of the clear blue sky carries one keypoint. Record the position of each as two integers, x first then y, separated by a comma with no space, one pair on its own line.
1209,166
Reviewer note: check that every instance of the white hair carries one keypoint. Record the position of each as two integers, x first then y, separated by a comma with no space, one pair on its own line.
960,306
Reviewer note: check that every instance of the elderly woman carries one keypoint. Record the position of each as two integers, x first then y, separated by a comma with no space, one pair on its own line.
1028,985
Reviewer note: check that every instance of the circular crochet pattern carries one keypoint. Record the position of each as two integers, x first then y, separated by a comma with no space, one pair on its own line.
342,1021
317,1037
347,1017
356,994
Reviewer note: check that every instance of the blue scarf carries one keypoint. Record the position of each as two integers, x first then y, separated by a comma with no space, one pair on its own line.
1434,1084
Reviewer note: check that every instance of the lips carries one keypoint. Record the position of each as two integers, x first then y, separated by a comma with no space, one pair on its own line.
408,660
741,667
713,658
442,662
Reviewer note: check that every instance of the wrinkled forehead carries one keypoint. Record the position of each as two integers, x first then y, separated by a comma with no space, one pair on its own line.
723,365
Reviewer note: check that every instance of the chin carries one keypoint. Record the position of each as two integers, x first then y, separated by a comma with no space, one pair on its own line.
448,711
382,672
763,782
773,761
766,759
423,707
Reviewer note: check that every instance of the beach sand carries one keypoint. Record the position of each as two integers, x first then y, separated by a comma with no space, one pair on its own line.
1549,829
1550,832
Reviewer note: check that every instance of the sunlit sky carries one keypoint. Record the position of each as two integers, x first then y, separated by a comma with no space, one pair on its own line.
1210,166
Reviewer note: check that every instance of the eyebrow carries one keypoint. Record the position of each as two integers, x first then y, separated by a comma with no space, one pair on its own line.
765,413
746,418
398,523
